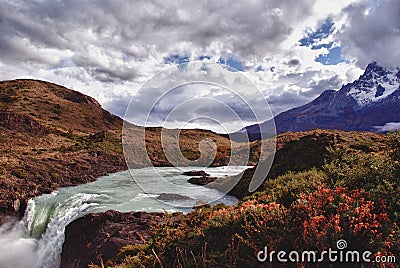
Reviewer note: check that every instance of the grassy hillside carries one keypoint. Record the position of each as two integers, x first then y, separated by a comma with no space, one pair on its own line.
52,136
301,151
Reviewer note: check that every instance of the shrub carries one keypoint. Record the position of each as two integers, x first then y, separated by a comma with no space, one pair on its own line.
393,143
135,256
327,215
376,173
287,188
354,169
19,173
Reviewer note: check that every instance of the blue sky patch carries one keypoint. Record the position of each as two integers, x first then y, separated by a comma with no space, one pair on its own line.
232,62
321,33
315,40
176,59
328,46
260,69
332,58
204,57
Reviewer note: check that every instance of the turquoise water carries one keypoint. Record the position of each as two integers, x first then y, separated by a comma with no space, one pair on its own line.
37,240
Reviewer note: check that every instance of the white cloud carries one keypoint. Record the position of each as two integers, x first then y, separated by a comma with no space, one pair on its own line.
200,93
372,32
108,49
391,126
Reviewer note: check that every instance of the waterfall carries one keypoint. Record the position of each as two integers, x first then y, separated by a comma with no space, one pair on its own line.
36,240
17,249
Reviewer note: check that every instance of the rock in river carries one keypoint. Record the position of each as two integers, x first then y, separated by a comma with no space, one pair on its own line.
173,197
196,173
201,180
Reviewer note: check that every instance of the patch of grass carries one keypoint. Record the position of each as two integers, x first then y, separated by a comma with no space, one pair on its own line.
7,94
19,173
3,137
56,118
39,150
191,155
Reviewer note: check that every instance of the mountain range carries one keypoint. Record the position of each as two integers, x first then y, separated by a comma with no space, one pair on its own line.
367,104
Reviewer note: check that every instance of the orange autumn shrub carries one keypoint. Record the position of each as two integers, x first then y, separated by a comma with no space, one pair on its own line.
231,236
328,215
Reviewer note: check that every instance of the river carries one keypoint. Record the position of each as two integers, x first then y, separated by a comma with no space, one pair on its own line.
36,240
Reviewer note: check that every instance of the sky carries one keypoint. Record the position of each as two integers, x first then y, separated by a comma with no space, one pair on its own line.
291,50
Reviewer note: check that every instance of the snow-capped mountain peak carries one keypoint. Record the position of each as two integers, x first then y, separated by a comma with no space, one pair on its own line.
374,85
371,103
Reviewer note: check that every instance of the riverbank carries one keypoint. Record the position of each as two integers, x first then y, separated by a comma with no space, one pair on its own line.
51,137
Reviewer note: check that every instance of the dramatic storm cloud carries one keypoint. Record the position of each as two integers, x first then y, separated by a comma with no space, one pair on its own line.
104,37
372,32
292,50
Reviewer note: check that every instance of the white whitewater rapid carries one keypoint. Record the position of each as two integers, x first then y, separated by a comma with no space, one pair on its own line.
37,240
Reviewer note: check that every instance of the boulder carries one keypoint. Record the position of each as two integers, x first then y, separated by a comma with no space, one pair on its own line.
98,237
173,197
201,180
196,173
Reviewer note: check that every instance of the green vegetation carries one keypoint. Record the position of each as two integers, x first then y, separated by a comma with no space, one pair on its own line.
3,138
101,141
191,155
7,94
353,195
19,173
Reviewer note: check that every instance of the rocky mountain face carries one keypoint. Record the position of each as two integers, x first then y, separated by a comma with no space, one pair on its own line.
364,105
